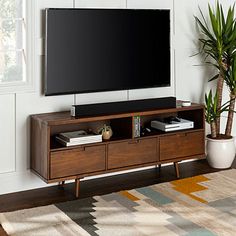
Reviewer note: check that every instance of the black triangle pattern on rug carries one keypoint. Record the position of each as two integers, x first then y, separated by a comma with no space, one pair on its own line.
80,212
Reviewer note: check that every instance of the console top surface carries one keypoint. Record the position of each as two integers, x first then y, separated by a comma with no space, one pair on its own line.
58,118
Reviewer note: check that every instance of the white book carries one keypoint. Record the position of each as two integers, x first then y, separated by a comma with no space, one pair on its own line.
73,143
82,140
78,135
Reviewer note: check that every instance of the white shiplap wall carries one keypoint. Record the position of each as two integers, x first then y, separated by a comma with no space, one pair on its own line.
7,133
15,109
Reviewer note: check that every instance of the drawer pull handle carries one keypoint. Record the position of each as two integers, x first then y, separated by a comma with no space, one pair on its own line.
82,149
182,135
134,142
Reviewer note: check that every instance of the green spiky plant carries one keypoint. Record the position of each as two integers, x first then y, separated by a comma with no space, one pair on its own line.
212,112
218,44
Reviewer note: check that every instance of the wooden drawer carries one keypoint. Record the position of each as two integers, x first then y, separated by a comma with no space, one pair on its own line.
182,145
77,161
131,153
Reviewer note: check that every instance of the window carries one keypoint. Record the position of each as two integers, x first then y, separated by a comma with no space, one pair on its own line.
12,42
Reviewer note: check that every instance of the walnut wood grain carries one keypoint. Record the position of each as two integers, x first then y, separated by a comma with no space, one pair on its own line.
132,153
176,165
181,145
124,168
77,161
77,187
54,163
40,143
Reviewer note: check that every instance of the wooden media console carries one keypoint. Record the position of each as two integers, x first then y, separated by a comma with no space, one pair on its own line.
54,162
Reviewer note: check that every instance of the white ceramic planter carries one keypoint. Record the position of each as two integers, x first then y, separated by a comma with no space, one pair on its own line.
220,152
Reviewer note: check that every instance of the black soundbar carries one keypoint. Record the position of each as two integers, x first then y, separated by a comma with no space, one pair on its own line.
110,108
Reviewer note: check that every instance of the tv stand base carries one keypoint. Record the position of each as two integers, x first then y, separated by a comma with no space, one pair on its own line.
55,163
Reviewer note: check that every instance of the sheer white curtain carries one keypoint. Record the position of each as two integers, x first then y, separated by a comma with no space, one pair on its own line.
12,41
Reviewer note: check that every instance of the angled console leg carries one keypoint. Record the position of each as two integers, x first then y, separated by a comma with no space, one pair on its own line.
176,164
77,186
61,184
158,170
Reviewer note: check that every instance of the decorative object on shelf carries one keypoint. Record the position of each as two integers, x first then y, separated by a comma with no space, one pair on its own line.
186,103
218,47
79,137
145,131
106,132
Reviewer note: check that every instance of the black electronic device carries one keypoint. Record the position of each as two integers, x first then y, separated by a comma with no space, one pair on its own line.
92,50
100,109
145,131
170,119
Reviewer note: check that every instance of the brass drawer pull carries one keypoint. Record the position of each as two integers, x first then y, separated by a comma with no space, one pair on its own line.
182,135
81,149
134,142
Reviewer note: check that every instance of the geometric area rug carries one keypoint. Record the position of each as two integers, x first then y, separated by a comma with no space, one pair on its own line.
203,205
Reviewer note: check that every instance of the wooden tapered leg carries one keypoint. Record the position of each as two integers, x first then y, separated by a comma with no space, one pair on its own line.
158,168
176,164
77,185
61,184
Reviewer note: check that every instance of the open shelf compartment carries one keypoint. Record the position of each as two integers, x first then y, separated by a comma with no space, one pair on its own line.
121,128
192,115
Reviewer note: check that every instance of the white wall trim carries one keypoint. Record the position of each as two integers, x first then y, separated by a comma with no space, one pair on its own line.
15,131
28,85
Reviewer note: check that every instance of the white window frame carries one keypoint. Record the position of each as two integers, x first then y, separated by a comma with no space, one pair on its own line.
28,85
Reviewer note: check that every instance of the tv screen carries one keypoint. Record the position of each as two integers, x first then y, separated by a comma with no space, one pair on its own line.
91,50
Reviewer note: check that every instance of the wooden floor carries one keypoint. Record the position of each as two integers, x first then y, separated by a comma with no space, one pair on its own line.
51,195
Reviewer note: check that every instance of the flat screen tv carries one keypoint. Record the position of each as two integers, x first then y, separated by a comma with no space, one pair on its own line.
92,50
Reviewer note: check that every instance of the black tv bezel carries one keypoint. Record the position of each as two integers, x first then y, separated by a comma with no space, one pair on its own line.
101,90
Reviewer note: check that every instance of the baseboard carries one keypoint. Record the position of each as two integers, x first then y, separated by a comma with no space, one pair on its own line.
19,181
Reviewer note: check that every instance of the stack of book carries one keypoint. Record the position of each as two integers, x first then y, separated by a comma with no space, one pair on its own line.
78,138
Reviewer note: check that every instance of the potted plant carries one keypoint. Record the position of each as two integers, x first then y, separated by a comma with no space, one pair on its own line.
220,148
219,49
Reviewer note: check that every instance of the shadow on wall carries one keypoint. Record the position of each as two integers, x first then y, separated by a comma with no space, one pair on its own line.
208,71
